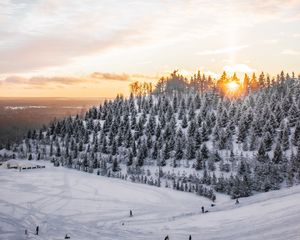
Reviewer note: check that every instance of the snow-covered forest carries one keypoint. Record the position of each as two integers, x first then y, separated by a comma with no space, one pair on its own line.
189,135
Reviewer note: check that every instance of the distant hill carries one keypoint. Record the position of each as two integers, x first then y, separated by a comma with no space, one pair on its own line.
18,115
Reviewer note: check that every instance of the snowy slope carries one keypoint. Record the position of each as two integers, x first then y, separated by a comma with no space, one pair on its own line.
88,206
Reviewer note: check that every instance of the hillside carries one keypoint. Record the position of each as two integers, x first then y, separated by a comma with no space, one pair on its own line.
195,142
85,206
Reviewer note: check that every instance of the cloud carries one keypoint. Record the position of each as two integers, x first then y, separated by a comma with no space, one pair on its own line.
271,9
223,50
238,68
93,78
271,41
42,81
110,76
212,74
290,52
37,35
52,33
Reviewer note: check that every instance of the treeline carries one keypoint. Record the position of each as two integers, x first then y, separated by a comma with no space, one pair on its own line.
200,83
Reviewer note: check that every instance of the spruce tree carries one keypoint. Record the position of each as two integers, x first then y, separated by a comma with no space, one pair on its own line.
199,161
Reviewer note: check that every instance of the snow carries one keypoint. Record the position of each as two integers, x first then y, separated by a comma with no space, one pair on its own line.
22,107
86,206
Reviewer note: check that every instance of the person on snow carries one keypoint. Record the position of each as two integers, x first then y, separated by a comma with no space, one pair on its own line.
167,237
37,230
237,201
190,237
202,208
130,213
67,236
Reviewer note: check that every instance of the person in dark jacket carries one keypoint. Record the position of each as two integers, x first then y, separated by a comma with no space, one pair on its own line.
167,237
37,230
130,213
202,208
190,237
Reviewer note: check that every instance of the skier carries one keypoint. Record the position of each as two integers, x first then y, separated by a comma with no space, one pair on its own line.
67,236
26,232
167,237
130,213
202,208
237,201
190,237
37,230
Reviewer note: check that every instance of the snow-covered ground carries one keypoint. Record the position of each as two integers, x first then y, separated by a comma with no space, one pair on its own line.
85,206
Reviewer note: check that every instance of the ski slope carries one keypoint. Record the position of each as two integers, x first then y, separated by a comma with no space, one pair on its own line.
85,206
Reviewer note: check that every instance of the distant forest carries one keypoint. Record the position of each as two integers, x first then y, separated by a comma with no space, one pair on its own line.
200,83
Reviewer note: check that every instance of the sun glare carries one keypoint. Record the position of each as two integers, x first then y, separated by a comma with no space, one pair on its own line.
232,89
232,86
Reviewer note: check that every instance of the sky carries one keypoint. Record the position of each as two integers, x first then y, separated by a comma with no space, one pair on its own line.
96,48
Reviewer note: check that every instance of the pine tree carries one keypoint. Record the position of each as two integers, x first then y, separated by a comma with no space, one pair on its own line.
191,129
115,165
296,135
285,139
262,156
155,151
267,138
222,143
190,152
199,161
140,159
166,151
114,148
184,122
130,159
204,132
178,149
104,146
205,151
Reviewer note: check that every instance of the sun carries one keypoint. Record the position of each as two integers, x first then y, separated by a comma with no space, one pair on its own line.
232,89
232,86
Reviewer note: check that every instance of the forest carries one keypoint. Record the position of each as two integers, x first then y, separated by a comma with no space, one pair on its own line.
202,135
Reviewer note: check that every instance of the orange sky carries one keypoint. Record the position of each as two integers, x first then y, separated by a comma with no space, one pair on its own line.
54,48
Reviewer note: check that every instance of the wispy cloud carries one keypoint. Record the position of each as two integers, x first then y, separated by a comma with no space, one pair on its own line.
290,52
38,35
110,76
93,78
222,50
239,68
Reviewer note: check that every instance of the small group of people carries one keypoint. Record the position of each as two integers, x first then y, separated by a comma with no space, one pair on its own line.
37,229
167,237
212,205
203,210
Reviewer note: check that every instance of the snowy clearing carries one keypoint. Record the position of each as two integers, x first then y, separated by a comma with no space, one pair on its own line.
86,206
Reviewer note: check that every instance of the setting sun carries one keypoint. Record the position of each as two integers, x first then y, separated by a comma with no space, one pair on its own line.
232,86
232,89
